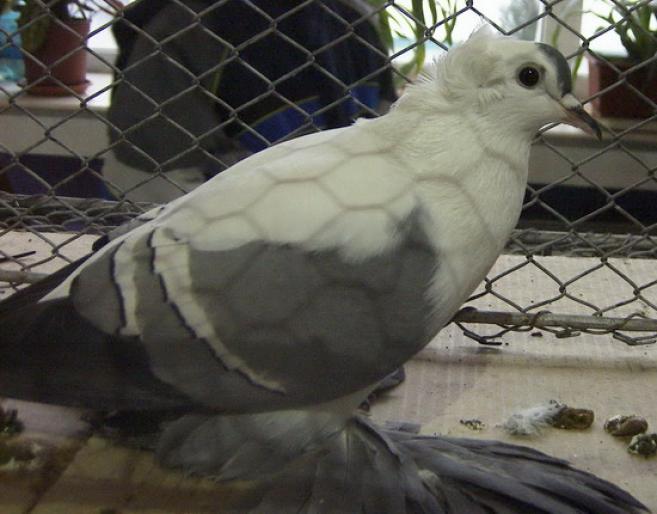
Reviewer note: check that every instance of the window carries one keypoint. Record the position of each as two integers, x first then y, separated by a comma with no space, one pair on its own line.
103,42
580,14
507,14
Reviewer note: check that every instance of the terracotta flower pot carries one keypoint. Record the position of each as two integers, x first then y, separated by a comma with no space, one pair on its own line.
61,59
622,101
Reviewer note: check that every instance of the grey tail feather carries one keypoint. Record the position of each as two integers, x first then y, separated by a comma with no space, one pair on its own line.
365,470
32,294
50,354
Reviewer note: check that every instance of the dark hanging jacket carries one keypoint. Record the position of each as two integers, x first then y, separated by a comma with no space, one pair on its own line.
199,81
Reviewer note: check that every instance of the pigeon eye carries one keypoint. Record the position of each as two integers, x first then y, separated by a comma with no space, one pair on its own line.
529,76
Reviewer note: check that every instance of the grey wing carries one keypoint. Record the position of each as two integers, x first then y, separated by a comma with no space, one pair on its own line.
265,325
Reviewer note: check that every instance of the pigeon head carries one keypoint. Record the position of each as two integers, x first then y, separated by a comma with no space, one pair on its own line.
523,84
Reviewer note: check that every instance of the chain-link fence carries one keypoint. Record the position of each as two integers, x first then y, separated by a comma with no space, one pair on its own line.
155,97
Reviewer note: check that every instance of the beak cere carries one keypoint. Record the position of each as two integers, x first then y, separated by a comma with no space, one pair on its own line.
575,115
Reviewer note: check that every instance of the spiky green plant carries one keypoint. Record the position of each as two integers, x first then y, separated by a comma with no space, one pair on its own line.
420,19
635,22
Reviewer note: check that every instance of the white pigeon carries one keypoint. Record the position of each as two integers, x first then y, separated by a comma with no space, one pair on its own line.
268,302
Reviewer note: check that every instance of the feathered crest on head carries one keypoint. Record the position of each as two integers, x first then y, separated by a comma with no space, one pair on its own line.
468,69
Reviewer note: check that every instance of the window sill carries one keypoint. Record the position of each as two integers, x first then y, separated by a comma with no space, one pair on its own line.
642,136
96,98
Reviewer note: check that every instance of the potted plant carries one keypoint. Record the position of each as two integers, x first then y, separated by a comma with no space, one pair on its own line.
634,21
54,34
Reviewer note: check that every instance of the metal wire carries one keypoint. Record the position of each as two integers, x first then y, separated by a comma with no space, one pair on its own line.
611,228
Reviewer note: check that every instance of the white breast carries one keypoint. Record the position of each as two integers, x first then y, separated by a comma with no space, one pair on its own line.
472,214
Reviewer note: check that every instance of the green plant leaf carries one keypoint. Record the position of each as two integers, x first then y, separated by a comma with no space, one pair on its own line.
434,12
33,22
384,30
395,17
633,28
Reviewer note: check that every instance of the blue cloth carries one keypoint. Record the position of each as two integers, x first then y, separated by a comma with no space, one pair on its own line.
227,77
289,120
11,59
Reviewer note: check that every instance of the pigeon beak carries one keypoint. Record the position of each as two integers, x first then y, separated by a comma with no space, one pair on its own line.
575,115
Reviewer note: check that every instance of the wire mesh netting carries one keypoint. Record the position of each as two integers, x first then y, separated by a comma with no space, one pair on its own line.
101,129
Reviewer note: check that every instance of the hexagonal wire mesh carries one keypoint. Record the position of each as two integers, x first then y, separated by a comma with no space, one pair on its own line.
197,85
